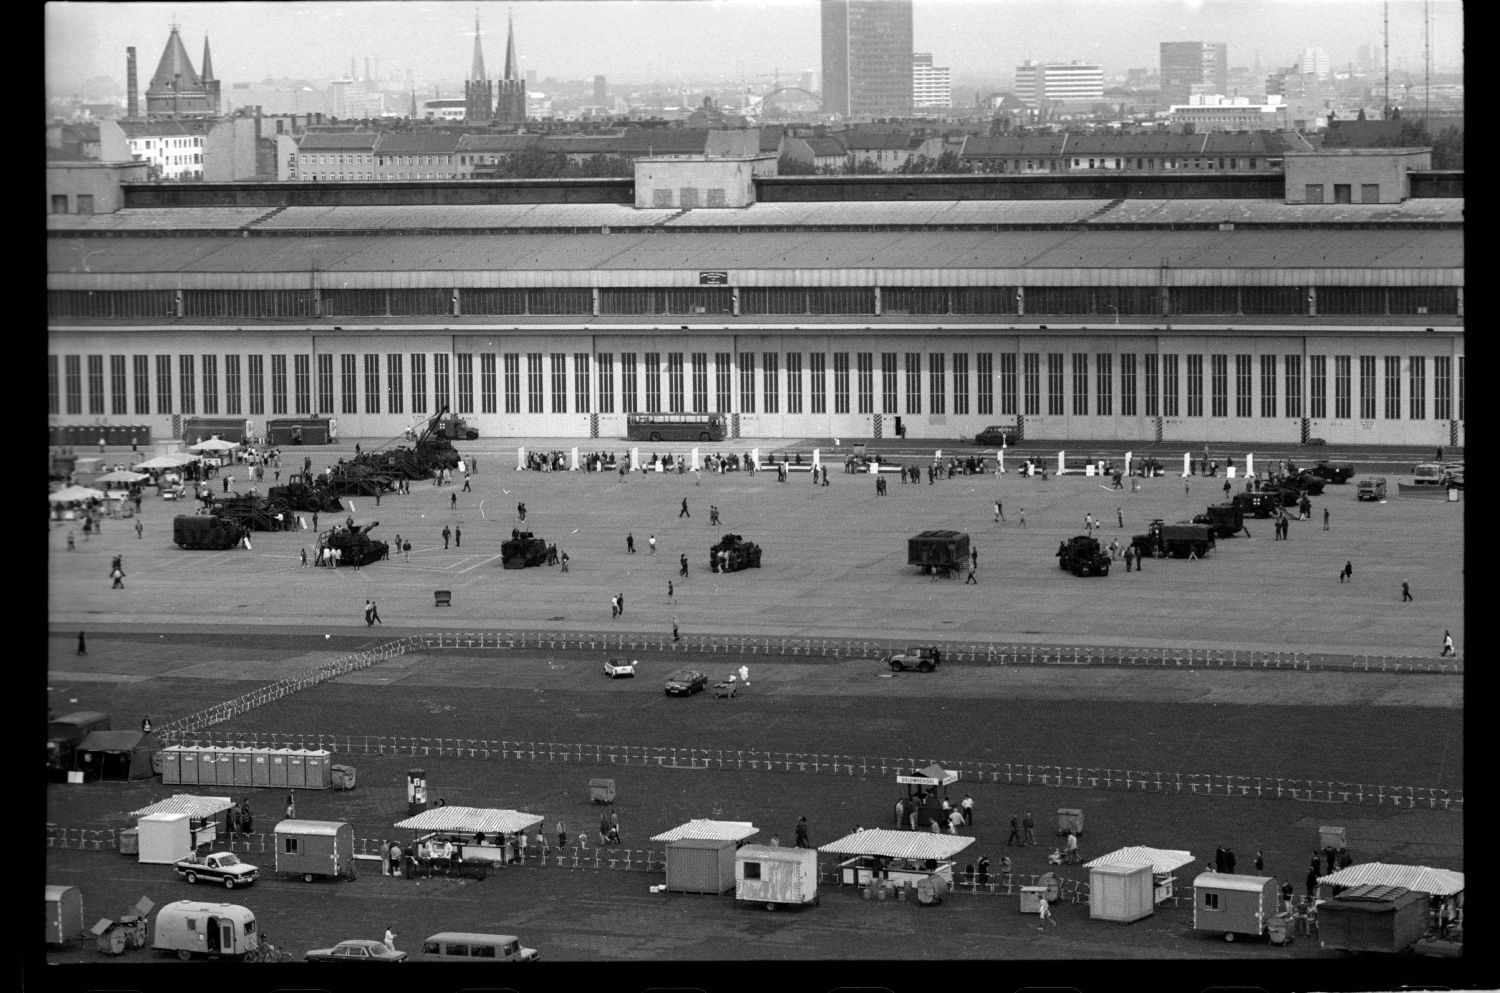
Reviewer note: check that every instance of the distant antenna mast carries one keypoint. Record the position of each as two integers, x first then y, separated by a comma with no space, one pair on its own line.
1427,56
1387,114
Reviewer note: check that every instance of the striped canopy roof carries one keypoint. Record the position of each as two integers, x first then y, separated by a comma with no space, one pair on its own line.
1417,878
1159,859
470,820
706,830
899,844
182,803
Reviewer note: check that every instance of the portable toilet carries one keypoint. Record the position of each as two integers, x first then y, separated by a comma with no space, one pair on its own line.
171,765
1234,904
242,765
188,765
296,768
315,848
1122,893
64,914
260,767
319,770
162,839
279,774
224,766
208,766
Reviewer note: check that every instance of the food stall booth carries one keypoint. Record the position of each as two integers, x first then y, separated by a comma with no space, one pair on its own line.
1373,918
72,502
900,857
174,828
1443,888
700,854
463,840
1163,862
924,801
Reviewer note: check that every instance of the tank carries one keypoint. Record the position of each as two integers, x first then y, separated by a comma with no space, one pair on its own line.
207,531
354,543
733,553
522,550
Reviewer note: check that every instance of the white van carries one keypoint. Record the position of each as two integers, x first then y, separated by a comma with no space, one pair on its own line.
461,946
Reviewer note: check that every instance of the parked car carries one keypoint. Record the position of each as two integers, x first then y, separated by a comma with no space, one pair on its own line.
923,659
994,435
219,867
685,682
619,667
356,950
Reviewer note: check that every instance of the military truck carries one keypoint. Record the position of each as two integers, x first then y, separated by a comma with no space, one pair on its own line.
523,550
354,543
303,492
207,531
1224,520
1178,541
454,428
1332,473
938,551
1083,555
1258,504
733,553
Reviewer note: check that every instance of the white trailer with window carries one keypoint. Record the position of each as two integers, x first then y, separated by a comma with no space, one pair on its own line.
772,875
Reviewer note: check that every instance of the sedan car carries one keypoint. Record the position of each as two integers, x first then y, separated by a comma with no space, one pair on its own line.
685,682
356,950
993,435
619,667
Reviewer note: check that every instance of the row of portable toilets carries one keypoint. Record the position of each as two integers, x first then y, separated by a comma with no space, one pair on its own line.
294,768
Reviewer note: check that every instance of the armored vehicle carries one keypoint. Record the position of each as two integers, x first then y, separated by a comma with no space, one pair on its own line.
303,493
1332,473
254,512
1224,520
354,543
207,531
1178,541
523,550
1083,555
733,553
940,551
358,479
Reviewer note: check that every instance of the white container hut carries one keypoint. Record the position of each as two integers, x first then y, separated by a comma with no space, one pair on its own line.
700,854
173,828
774,875
1163,862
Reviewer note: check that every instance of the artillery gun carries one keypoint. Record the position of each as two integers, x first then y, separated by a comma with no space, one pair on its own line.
733,553
522,550
303,492
354,543
206,531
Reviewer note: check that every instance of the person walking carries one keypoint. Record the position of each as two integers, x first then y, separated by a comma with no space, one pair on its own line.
466,484
83,648
1348,573
630,543
1030,826
1129,556
118,575
304,556
138,530
684,511
999,512
614,607
375,613
452,501
71,545
458,536
973,558
446,535
1405,593
684,570
675,635
1447,644
390,939
369,613
1015,831
521,512
971,578
801,833
621,597
651,544
1044,913
967,806
669,591
1070,850
1022,522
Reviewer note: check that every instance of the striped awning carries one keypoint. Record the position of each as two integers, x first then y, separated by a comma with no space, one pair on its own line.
1159,859
1417,878
706,830
899,844
470,820
182,803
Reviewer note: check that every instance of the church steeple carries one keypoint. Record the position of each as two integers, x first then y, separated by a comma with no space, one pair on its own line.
477,72
512,67
479,93
208,61
510,101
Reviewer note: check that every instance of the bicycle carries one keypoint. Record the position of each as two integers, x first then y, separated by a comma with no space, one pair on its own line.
267,952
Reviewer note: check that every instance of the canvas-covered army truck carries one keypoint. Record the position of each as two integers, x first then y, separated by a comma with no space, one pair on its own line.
207,531
938,551
1178,541
1083,556
1224,520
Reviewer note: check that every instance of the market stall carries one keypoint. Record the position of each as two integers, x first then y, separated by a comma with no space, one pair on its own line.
1373,918
464,840
898,856
174,828
700,854
1444,888
1163,863
926,789
72,503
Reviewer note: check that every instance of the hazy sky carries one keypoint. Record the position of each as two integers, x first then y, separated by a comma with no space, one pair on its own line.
640,40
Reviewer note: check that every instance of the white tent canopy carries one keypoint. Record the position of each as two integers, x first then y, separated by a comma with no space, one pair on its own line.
121,476
166,462
75,494
470,820
933,775
1161,860
707,830
1417,878
214,445
184,803
899,844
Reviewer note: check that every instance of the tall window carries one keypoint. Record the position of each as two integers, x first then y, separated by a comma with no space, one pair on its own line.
1031,364
841,382
1342,387
1442,387
465,363
210,384
256,368
986,381
700,383
536,386
395,382
54,401
1153,385
771,383
817,382
349,377
723,382
1244,386
747,382
487,392
1104,384
1367,387
96,384
278,384
1127,385
581,389
630,396
866,370
913,382
889,384
302,379
1080,383
1170,384
651,369
441,389
325,383
186,385
606,363
1292,376
141,369
936,375
675,385
794,382
1195,386
232,394
1055,383
372,384
118,400
419,382
1317,386
1219,364
1268,386
1393,387
73,381
960,382
512,365
1418,387
559,382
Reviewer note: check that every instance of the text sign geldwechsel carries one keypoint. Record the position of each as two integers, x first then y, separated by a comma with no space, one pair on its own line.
713,279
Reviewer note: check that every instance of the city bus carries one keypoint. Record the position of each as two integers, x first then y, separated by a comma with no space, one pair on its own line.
675,427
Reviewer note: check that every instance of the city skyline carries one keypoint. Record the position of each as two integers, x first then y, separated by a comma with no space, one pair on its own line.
749,41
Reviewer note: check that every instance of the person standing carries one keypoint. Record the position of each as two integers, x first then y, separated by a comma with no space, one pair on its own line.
304,556
745,675
446,535
684,511
390,939
84,650
1405,592
802,838
458,536
369,613
999,514
630,543
1129,556
375,613
974,558
651,544
614,607
1015,831
1070,850
684,570
564,560
621,597
1349,571
675,635
1229,860
138,530
1260,861
1447,644
967,806
562,834
1120,512
521,512
1030,826
669,591
71,545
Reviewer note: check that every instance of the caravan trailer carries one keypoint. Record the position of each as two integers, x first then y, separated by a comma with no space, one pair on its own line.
315,848
218,930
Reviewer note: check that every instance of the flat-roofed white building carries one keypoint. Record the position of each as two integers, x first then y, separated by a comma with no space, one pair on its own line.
931,86
1054,82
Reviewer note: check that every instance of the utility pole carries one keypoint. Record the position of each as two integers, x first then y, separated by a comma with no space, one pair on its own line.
1387,115
1427,58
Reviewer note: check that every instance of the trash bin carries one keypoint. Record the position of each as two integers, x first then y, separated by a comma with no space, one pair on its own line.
1031,899
601,791
1279,930
1453,494
342,777
130,842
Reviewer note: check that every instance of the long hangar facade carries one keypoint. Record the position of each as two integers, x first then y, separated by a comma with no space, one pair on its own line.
1137,318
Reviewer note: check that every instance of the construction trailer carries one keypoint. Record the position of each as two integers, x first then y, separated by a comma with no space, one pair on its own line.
774,876
311,849
1234,905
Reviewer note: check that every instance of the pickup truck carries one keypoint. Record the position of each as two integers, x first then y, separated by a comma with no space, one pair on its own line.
218,867
922,659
